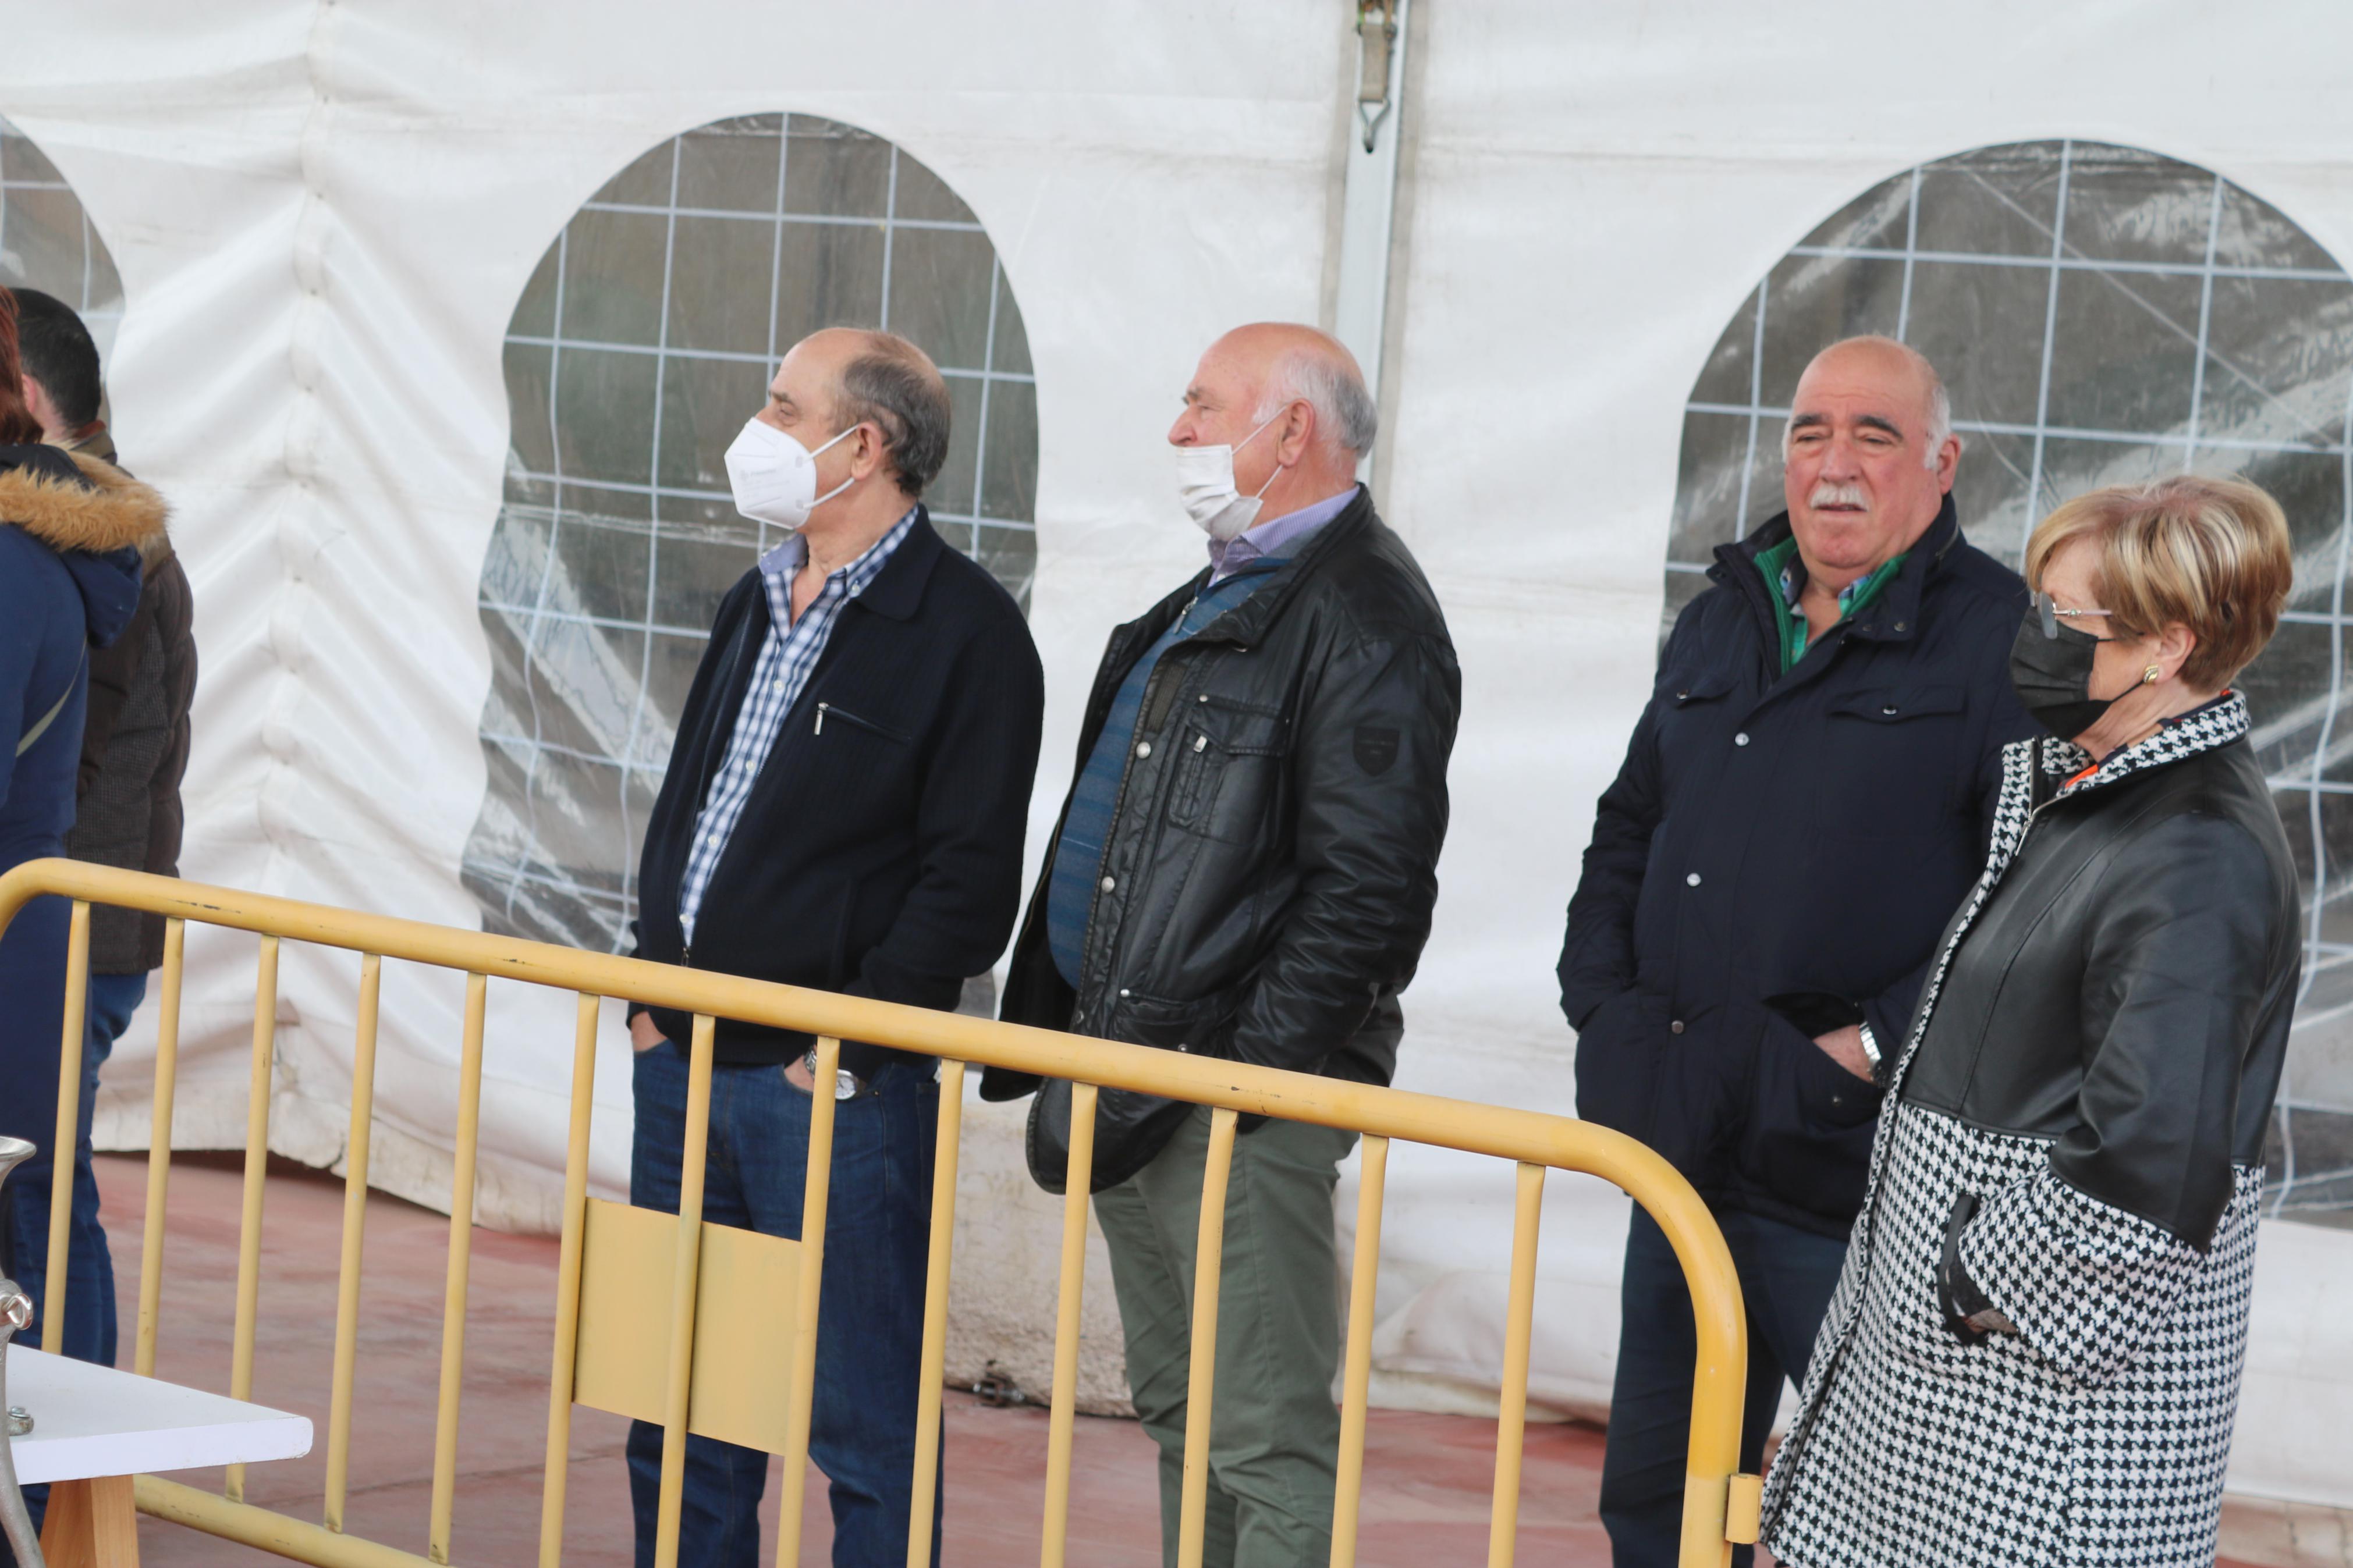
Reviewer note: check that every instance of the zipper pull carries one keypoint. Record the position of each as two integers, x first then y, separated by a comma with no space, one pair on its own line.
686,956
821,718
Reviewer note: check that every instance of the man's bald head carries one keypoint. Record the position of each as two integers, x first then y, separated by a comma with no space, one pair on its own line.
1868,457
1289,362
882,379
1887,362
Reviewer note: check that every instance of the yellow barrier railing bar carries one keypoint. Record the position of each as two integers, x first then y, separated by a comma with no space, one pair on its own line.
567,1286
257,1172
69,1138
932,1370
1519,1329
1208,1268
816,1190
258,1527
1356,1364
461,1256
1718,1502
347,1281
1070,1291
159,1147
684,1260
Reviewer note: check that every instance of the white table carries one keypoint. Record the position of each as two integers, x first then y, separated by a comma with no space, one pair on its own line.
94,1428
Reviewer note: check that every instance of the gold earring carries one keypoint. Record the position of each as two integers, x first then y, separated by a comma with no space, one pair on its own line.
2150,676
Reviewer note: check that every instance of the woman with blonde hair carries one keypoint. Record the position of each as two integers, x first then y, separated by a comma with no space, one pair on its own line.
2033,1353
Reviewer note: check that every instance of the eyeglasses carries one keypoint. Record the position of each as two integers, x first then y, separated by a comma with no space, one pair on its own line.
2048,608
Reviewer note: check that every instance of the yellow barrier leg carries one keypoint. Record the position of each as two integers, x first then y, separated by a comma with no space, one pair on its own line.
69,1136
933,1373
687,1260
815,1193
257,1176
347,1282
1078,1180
1519,1328
567,1286
1208,1266
1356,1365
461,1253
159,1147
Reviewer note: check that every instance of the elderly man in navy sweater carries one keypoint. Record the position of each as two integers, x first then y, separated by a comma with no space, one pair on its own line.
844,809
1805,800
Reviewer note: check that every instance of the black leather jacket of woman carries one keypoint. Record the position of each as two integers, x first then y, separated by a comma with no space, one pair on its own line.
1271,870
2128,991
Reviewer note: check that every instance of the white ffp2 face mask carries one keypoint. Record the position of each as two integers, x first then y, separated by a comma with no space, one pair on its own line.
774,477
1205,483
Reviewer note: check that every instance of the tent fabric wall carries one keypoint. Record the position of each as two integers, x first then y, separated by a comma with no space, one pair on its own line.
324,212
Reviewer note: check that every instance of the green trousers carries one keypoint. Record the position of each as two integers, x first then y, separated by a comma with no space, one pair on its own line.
1274,1435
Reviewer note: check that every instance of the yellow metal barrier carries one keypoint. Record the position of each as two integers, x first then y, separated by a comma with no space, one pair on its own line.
710,1267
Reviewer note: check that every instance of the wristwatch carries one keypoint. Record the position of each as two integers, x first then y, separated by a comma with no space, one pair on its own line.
847,1085
1869,1045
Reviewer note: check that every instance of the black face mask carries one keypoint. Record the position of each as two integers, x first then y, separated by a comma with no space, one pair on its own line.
2053,676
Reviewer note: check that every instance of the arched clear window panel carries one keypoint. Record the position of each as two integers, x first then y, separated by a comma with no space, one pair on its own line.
2101,314
644,340
46,241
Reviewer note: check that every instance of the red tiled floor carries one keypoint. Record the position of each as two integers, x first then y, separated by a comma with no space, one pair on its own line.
1427,1476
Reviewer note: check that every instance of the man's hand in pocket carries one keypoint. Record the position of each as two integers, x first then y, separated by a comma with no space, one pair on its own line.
643,1036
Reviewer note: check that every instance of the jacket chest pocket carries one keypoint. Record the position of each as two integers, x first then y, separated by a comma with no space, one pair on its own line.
1891,758
1691,712
1227,767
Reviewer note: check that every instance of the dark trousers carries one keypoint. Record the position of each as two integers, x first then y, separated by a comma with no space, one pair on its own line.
25,1215
1785,1278
870,1313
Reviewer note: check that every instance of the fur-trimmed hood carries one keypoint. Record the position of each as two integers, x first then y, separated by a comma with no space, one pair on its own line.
97,508
96,518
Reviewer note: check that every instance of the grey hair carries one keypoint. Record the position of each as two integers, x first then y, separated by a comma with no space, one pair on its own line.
1940,402
1328,383
892,384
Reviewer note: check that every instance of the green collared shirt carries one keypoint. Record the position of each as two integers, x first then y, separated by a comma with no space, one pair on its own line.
1785,579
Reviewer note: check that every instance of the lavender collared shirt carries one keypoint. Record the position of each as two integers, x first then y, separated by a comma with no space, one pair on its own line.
1271,538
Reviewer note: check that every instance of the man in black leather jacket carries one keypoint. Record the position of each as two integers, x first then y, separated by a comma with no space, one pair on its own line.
1245,869
1805,801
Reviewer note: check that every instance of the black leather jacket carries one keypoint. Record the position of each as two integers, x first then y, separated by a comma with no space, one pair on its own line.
1273,863
2127,992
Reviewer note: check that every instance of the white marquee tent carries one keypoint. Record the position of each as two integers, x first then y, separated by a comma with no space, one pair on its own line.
327,217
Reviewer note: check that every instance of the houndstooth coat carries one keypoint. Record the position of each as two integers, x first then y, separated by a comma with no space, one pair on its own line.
2033,1355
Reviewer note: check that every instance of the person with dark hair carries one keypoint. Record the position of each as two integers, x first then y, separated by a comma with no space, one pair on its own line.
62,385
844,809
135,742
69,531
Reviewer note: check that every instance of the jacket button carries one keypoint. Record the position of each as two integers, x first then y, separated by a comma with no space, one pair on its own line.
1690,882
1111,882
1125,992
1183,1047
1903,626
1676,1027
1682,695
1203,698
1889,710
1741,738
1143,748
1201,743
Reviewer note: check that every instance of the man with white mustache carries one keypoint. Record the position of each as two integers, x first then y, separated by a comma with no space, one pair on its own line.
1807,798
1244,870
843,809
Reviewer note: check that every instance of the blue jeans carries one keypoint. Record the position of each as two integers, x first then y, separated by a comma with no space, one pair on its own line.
25,1215
870,1311
1787,1276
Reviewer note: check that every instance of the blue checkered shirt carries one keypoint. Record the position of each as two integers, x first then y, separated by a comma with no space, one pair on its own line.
786,658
